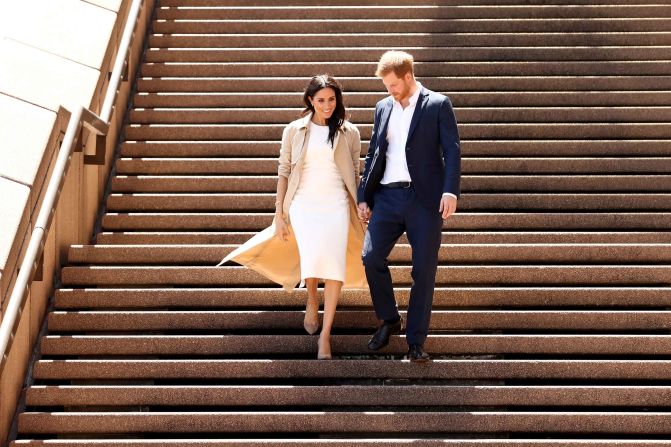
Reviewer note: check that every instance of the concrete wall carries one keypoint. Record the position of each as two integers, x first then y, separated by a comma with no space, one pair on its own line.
55,55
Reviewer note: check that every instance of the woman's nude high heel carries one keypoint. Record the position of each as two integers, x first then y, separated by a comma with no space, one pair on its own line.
324,349
311,320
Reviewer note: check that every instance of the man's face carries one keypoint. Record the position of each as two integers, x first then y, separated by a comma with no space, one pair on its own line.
397,87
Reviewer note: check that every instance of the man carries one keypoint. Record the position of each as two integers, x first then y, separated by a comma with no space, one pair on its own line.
410,183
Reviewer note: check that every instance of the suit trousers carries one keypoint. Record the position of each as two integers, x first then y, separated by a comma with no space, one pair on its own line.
398,210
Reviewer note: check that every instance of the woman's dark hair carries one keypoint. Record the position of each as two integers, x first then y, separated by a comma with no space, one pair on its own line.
337,119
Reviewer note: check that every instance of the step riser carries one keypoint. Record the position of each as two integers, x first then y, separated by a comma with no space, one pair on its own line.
469,183
468,202
460,221
297,37
519,148
370,369
447,254
454,54
212,298
346,395
657,423
419,12
557,166
365,115
369,442
377,25
488,131
446,69
352,320
461,275
169,348
456,84
459,99
450,238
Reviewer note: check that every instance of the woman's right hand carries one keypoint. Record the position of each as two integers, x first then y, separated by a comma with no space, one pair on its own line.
281,228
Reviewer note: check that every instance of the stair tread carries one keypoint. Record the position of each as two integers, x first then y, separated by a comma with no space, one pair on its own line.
231,297
379,368
537,345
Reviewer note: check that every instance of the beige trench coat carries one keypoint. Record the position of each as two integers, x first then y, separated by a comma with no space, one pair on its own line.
279,261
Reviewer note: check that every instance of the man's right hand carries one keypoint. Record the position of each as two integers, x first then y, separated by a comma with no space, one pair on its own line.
364,212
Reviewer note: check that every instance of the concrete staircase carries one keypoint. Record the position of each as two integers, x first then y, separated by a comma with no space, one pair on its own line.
551,323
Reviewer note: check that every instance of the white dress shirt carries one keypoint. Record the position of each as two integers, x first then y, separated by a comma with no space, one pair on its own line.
396,169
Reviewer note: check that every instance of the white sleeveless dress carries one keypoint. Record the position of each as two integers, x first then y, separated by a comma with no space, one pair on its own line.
319,211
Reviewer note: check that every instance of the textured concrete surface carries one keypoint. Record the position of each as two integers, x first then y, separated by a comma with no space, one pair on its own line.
498,83
503,148
343,369
444,297
345,395
325,442
592,422
401,253
452,238
234,24
275,347
500,221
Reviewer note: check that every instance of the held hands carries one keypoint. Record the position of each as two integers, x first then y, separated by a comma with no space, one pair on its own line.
281,228
448,205
364,212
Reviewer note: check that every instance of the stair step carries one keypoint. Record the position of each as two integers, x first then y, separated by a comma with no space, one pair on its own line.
602,253
461,221
343,346
451,369
508,201
245,25
595,275
368,84
432,11
365,115
346,395
486,131
233,320
325,442
295,36
453,297
479,165
451,237
427,54
396,3
346,422
366,99
427,69
469,183
473,148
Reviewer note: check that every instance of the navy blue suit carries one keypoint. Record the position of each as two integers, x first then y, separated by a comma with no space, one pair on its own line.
433,156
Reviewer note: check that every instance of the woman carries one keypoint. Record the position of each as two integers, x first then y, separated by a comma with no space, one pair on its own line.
316,233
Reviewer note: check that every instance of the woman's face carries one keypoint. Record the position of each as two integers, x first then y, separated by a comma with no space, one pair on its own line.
324,103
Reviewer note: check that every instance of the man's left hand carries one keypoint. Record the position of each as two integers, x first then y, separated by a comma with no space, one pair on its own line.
448,205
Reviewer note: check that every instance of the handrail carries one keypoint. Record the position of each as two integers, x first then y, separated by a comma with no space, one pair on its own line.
96,124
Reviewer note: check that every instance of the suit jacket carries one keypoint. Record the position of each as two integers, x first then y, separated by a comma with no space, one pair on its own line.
279,261
432,150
